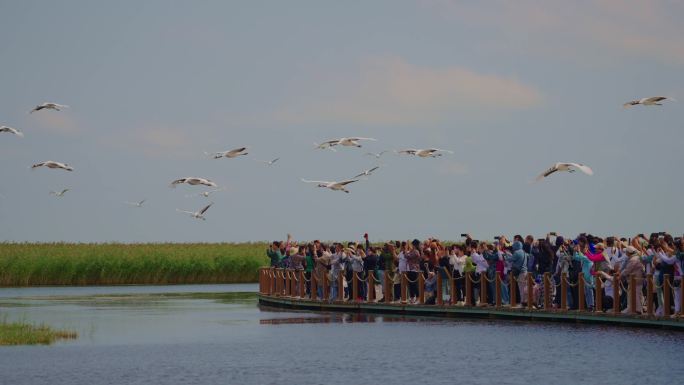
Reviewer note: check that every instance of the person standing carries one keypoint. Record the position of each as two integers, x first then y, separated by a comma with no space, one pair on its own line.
413,259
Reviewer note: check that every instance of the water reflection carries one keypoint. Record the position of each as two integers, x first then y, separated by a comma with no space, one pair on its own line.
344,318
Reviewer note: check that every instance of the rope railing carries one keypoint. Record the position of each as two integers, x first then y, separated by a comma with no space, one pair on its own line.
547,293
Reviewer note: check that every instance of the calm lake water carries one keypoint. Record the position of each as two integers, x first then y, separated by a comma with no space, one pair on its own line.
216,334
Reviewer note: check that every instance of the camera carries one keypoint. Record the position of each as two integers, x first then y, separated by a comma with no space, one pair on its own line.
497,237
553,233
464,235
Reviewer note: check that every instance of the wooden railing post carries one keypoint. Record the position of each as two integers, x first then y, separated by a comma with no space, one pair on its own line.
469,289
513,290
497,288
291,286
340,286
313,284
666,295
279,282
439,300
632,294
530,292
302,284
355,287
388,288
271,281
452,282
403,288
371,286
598,300
616,293
649,294
483,289
547,291
421,288
581,303
564,292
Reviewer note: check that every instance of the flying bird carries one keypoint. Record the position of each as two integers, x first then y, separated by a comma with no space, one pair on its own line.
335,186
12,131
424,153
267,162
48,106
197,214
353,141
193,181
53,164
229,154
59,194
366,172
652,101
327,145
136,204
569,167
378,155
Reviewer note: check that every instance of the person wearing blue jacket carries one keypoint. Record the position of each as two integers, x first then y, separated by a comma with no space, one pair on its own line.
518,260
587,266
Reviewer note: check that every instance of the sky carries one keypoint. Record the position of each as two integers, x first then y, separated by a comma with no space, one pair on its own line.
509,87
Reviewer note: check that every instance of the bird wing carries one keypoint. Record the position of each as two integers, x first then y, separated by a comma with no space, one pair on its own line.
185,211
630,103
354,139
141,202
38,165
346,182
315,181
373,169
440,150
547,172
585,169
237,150
410,151
206,208
655,99
274,160
63,191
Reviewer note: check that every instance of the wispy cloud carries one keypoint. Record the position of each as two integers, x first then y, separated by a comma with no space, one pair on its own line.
389,90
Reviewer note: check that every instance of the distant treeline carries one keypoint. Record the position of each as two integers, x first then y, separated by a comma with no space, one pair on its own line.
31,264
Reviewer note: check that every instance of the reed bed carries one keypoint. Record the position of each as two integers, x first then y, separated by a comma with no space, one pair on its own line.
22,333
33,264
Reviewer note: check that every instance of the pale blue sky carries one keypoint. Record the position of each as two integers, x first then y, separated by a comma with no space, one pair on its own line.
511,87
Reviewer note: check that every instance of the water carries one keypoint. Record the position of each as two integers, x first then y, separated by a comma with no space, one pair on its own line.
205,334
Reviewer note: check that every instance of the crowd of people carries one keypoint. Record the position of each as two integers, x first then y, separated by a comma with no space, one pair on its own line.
587,256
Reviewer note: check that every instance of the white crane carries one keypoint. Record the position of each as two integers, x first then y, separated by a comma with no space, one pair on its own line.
60,193
197,214
569,167
228,154
12,131
366,172
652,101
327,145
136,204
53,164
425,152
193,181
335,186
347,142
48,106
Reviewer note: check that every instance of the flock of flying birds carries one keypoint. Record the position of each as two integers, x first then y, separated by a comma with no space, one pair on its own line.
330,144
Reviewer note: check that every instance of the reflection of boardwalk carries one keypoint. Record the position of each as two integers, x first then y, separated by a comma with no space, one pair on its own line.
281,288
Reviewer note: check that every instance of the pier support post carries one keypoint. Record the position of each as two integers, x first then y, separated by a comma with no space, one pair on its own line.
616,293
371,286
313,284
452,285
388,288
632,294
649,295
279,282
581,303
302,284
598,298
530,292
497,287
483,289
666,295
513,290
403,288
564,292
421,288
340,286
439,300
547,291
469,289
354,293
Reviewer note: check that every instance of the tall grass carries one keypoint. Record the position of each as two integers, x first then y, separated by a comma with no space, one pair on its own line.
21,333
27,264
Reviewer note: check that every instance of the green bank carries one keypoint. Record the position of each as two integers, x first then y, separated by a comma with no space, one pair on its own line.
21,333
31,264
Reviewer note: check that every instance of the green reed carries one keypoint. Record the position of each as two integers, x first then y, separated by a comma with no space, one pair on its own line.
28,264
22,333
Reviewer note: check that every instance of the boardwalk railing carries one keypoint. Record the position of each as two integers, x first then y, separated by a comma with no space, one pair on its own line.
630,295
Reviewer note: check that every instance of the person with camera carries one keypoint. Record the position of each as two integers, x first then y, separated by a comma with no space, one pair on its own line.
579,254
518,261
413,259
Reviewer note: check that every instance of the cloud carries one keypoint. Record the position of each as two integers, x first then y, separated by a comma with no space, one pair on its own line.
650,29
452,168
58,122
391,91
